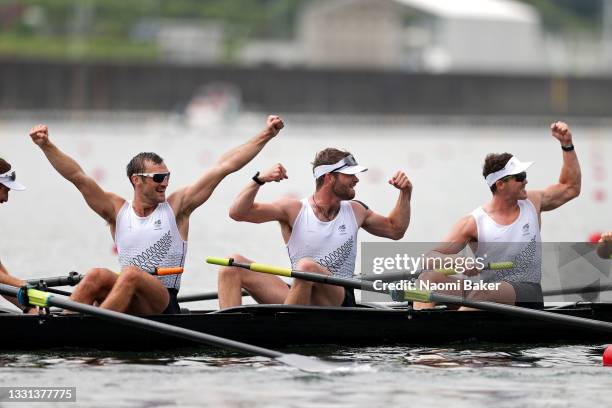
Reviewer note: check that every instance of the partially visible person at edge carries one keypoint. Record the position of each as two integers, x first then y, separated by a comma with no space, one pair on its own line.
149,231
507,228
320,232
604,247
8,182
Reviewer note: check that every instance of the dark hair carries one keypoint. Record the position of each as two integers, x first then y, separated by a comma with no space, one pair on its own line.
137,164
494,162
327,156
4,166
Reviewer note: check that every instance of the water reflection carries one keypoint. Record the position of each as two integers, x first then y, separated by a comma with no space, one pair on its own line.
476,356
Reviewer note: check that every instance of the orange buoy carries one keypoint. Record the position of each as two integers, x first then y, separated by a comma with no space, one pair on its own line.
607,356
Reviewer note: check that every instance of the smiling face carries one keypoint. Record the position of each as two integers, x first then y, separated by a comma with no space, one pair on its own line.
344,185
147,189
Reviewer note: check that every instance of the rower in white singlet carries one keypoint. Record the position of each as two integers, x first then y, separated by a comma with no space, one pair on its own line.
150,231
320,232
8,182
507,228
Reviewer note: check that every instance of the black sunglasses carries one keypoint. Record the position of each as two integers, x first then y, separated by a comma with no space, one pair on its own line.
349,161
157,177
520,177
12,176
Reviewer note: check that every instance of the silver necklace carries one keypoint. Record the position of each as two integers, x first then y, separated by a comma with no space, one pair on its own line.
322,212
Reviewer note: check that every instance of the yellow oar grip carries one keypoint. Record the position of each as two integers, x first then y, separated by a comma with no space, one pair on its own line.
446,271
38,297
501,265
217,261
417,295
274,270
492,266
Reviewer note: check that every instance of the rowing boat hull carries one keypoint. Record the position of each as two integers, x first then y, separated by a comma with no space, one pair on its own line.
276,325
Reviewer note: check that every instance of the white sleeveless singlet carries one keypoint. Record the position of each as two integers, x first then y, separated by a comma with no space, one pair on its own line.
150,242
332,244
518,242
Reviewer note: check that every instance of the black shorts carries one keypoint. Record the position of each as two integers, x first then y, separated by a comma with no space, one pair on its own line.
528,294
349,298
173,305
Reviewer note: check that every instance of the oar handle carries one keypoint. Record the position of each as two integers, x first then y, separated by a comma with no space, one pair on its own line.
415,295
493,266
274,270
257,267
446,271
496,266
159,271
219,261
168,271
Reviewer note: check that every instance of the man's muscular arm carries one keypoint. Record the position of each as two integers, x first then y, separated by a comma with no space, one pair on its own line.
570,179
393,226
103,203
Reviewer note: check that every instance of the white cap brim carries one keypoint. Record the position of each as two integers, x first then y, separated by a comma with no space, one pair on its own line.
514,166
13,185
352,170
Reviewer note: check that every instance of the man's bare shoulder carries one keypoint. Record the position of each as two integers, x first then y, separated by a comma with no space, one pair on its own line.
117,201
535,197
290,206
465,227
289,203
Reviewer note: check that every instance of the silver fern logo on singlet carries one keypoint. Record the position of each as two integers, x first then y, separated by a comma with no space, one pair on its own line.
526,229
153,256
336,259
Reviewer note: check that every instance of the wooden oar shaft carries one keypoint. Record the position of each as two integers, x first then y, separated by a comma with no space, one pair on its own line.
134,321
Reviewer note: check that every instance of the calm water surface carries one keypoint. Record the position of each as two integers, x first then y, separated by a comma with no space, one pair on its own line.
457,376
48,230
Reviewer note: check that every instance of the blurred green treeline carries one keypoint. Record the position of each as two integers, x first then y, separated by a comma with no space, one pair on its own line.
123,29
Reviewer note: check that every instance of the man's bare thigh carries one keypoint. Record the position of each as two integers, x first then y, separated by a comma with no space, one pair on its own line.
150,298
264,288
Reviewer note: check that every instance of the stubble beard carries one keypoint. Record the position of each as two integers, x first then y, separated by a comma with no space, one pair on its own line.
343,192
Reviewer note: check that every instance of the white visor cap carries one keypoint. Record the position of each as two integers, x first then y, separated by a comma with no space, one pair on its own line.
514,166
348,165
9,180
